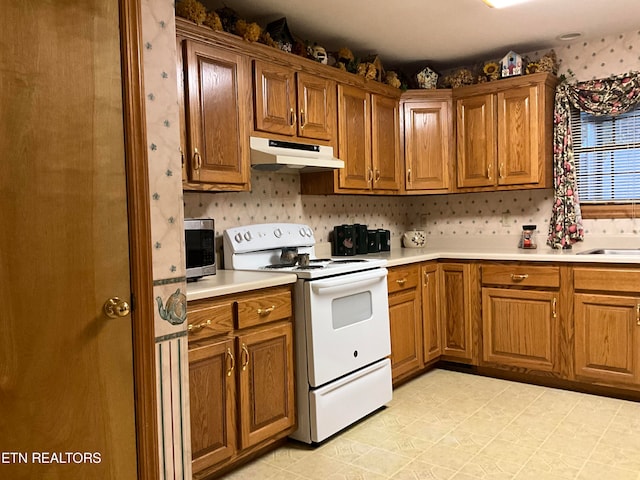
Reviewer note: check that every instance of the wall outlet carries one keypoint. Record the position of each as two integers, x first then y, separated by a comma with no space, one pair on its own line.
424,218
506,219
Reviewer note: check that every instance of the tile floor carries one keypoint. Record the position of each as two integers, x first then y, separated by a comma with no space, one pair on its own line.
450,425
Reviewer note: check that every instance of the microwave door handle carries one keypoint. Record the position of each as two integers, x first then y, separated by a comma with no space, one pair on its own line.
326,287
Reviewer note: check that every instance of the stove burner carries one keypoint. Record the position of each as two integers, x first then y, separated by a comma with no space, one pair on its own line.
350,260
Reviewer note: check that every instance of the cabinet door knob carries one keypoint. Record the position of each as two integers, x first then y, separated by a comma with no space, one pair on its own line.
409,175
303,120
489,171
377,175
554,308
232,362
116,307
501,171
293,116
197,159
245,357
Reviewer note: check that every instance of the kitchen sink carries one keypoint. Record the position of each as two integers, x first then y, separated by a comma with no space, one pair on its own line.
612,251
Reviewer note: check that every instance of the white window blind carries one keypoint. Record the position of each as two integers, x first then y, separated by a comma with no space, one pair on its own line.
607,154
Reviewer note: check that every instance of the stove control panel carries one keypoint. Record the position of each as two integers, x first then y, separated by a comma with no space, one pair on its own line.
264,236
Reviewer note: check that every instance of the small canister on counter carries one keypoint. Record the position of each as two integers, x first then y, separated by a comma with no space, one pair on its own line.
361,238
343,240
527,239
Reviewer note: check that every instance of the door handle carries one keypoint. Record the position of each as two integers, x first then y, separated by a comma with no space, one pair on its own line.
115,307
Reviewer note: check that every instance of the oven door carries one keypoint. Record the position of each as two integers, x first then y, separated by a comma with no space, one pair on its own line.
346,323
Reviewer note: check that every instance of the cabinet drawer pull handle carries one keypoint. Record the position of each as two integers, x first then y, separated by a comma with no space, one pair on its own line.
377,175
638,314
266,311
370,175
401,281
197,159
554,309
192,327
426,279
489,171
233,362
293,116
409,176
501,172
182,156
303,119
245,357
518,277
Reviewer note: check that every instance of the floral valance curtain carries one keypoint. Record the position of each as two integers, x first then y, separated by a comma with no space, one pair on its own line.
609,96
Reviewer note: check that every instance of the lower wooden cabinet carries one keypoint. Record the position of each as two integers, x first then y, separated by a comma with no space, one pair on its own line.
458,298
405,318
607,326
241,380
520,316
431,330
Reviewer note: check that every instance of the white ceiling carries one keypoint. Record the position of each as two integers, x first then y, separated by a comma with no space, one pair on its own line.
441,33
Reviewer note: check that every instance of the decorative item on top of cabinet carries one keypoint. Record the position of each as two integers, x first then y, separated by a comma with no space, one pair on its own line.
520,316
504,134
213,96
428,141
293,104
241,376
607,326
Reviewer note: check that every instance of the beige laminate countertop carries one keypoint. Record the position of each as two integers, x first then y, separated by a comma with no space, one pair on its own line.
226,282
496,248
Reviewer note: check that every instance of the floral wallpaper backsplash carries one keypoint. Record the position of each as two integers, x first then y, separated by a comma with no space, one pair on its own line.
276,197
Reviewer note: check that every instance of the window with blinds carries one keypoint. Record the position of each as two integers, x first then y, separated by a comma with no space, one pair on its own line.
607,154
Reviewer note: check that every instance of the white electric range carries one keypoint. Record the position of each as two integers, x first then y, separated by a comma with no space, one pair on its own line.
342,344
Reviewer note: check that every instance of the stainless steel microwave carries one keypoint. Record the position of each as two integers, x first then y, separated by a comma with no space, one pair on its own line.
200,247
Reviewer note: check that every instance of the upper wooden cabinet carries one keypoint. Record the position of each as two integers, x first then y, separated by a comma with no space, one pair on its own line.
504,133
293,104
428,141
215,99
368,141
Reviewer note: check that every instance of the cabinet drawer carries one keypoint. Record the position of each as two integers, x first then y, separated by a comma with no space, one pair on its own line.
254,310
607,279
402,278
208,318
521,275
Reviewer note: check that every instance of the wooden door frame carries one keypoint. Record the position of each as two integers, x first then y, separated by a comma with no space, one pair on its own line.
139,218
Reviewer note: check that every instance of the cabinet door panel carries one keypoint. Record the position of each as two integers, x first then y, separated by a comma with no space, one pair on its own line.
457,335
265,369
274,98
431,332
212,400
607,341
385,143
519,328
427,145
406,332
217,92
354,138
476,136
317,116
518,133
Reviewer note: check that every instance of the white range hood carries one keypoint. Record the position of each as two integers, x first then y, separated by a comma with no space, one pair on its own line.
281,156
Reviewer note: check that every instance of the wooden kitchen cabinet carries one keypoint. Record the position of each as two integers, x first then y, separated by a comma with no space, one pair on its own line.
520,320
428,141
504,133
293,104
459,306
405,318
368,141
215,96
241,376
607,326
431,329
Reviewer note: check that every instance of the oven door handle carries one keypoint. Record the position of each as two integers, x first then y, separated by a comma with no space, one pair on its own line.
353,281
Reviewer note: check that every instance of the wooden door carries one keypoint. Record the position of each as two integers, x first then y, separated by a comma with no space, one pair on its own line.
385,143
212,399
217,111
66,369
607,341
427,144
455,311
431,331
274,96
354,138
518,136
476,137
265,372
317,116
405,319
519,328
